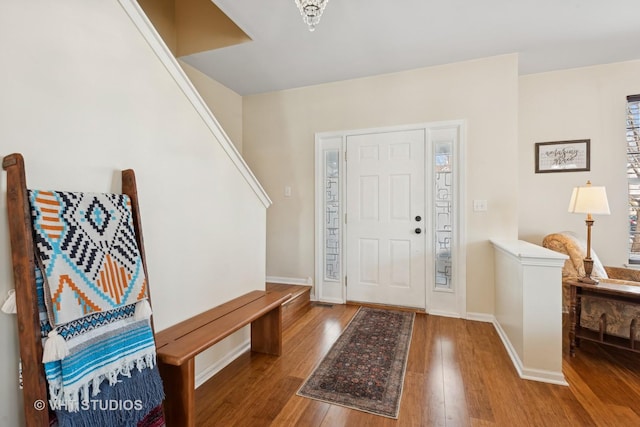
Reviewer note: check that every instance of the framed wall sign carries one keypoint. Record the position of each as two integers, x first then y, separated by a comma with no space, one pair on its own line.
563,156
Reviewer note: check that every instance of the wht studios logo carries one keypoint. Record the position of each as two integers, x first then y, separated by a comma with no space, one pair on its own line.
94,405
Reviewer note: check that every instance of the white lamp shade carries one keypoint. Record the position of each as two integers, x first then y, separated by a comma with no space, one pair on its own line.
589,200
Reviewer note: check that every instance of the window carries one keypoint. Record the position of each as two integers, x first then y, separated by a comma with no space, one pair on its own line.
332,215
633,175
444,213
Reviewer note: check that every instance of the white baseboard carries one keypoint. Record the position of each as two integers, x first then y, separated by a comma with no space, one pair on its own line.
550,377
290,280
544,376
209,372
481,317
328,300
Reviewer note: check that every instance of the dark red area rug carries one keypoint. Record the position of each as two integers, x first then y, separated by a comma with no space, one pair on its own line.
364,369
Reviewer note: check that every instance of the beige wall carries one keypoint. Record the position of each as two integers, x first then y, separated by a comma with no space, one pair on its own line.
83,97
278,144
191,26
225,104
162,13
583,103
202,26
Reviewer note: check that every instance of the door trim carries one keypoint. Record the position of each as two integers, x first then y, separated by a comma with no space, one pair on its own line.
334,291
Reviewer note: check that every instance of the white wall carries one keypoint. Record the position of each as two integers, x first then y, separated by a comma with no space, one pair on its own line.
83,97
583,103
278,143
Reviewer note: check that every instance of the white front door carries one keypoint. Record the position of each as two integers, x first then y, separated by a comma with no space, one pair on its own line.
386,218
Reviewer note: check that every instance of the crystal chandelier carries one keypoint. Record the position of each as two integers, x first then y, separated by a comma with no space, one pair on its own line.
311,11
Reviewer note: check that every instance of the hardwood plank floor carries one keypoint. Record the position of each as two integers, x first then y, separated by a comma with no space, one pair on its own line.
458,374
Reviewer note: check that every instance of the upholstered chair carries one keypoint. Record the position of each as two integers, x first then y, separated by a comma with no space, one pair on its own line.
619,314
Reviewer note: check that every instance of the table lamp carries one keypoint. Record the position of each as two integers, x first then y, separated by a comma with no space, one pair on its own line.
592,201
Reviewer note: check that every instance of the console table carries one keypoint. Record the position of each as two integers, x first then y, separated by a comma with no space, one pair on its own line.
602,290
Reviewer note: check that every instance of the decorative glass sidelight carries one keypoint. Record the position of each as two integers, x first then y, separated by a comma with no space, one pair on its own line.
443,214
332,215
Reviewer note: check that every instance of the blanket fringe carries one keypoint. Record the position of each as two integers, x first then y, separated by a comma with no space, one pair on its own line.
143,310
9,305
74,399
125,404
55,348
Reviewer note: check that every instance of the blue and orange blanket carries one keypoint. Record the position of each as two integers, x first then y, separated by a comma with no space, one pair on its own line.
91,283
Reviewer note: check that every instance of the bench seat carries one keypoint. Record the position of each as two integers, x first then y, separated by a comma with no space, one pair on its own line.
178,345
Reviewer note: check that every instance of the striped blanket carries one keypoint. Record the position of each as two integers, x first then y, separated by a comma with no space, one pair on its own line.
89,280
109,377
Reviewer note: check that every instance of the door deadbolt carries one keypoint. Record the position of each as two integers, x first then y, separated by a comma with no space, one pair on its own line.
418,218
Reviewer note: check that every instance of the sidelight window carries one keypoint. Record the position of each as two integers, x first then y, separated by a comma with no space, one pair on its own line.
633,175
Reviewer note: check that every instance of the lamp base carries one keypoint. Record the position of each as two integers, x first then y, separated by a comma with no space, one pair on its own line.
589,280
588,268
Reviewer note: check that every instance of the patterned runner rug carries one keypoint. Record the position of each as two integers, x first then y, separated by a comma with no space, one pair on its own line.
364,369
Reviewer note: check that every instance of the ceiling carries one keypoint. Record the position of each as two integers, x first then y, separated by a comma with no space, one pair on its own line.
358,38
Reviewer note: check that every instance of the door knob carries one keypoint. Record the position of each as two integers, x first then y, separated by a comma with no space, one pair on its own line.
418,230
418,218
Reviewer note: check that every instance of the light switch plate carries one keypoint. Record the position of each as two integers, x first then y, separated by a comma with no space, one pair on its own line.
479,205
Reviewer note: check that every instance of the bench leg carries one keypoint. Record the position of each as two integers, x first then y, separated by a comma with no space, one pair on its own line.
179,387
266,333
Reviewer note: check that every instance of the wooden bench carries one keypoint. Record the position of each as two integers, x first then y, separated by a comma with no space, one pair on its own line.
178,345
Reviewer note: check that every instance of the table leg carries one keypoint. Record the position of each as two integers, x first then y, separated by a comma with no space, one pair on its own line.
572,320
578,314
179,388
266,333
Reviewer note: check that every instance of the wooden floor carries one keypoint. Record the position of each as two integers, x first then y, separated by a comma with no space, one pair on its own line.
458,374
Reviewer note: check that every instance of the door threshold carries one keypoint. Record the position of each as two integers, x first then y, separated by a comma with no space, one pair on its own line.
388,307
